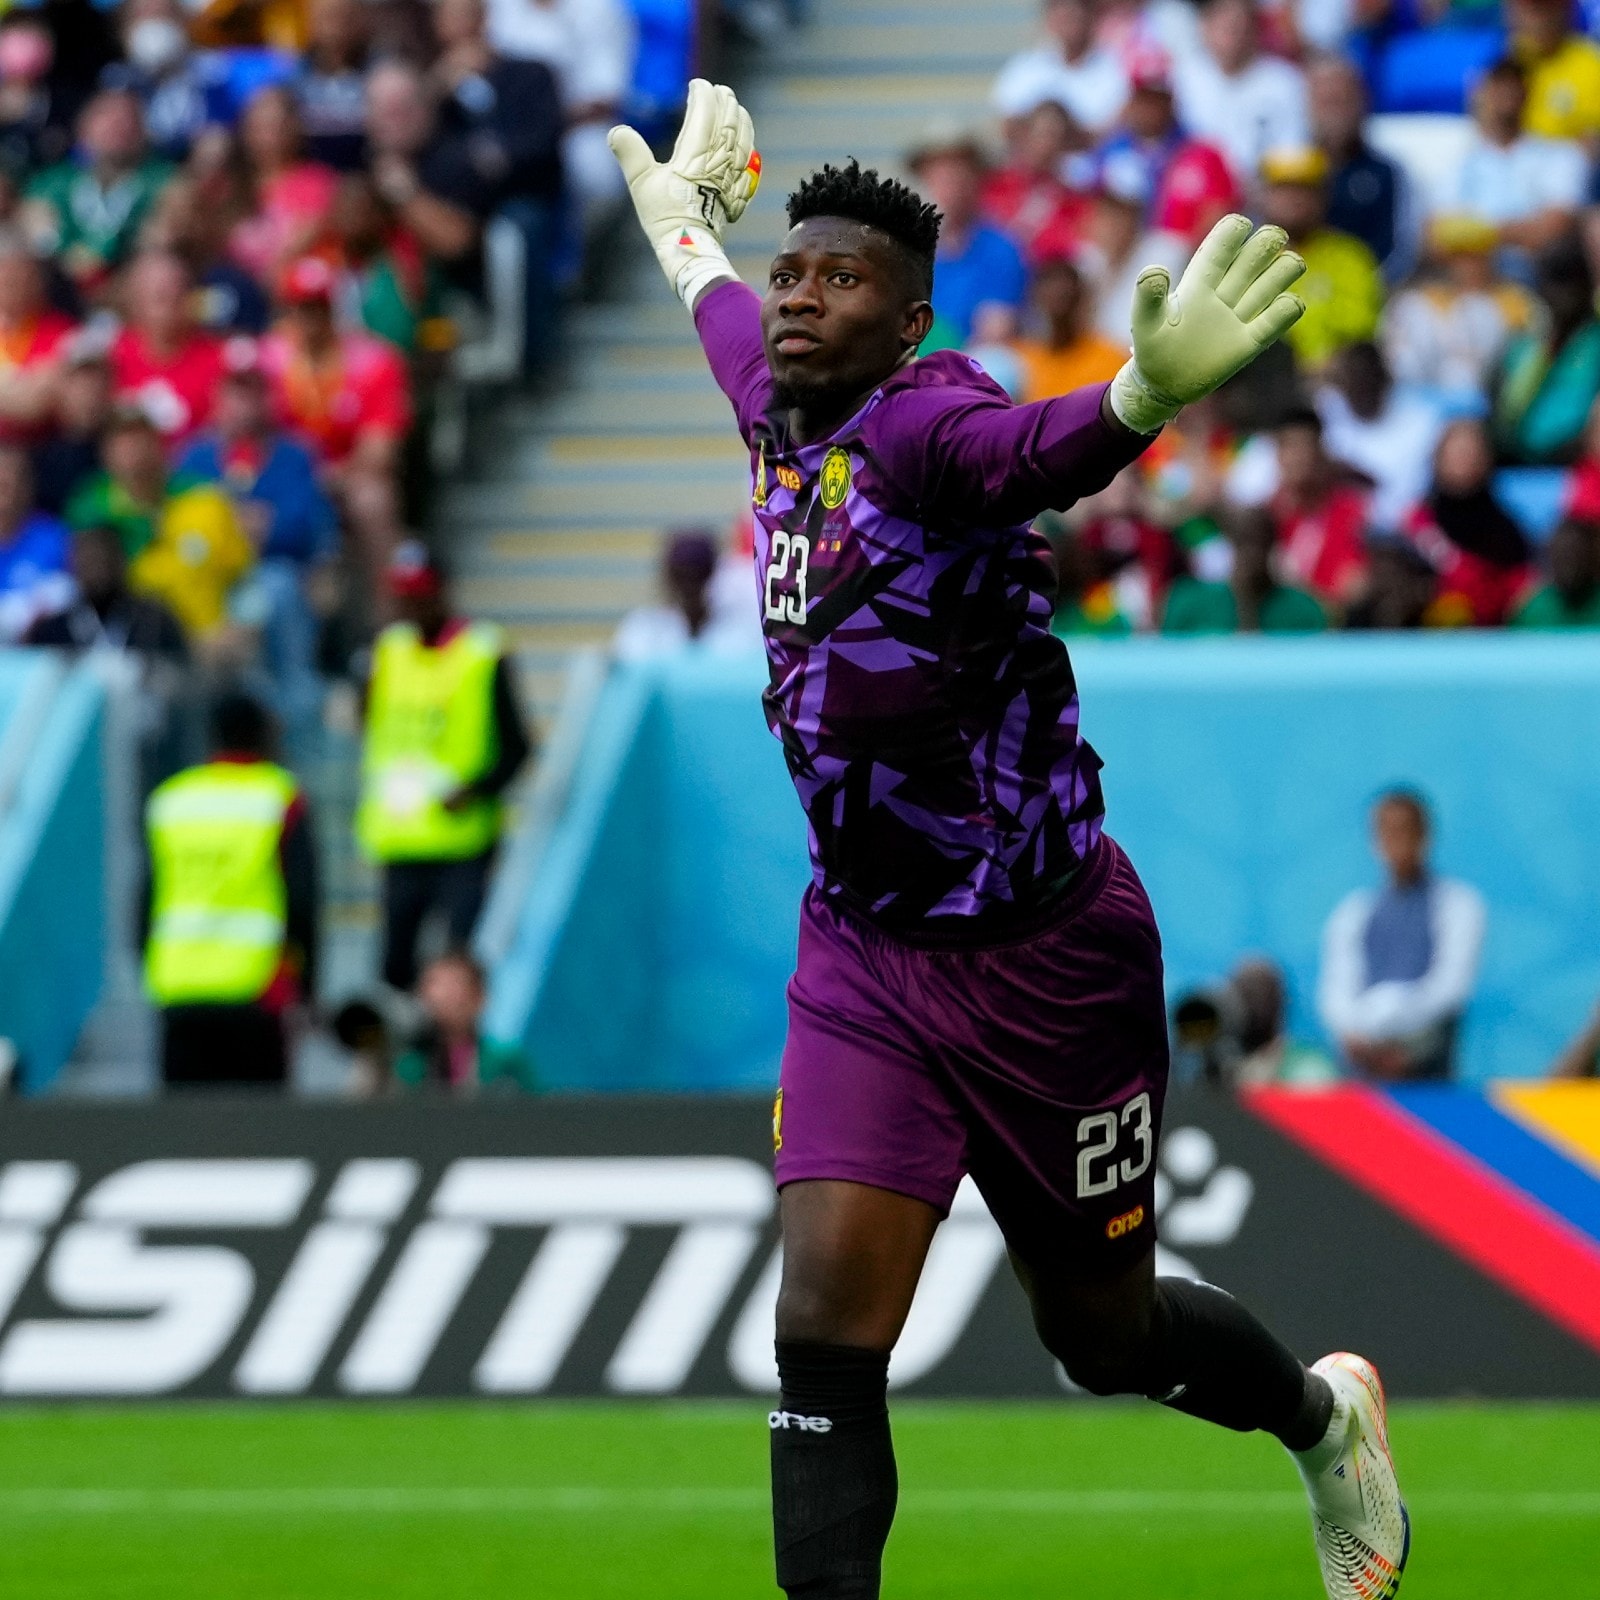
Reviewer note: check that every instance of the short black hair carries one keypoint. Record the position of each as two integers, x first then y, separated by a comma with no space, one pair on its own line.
882,203
1408,799
240,722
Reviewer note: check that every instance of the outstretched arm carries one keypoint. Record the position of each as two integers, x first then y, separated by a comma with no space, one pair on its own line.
685,204
985,460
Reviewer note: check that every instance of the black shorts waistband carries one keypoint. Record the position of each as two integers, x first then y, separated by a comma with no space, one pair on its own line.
997,926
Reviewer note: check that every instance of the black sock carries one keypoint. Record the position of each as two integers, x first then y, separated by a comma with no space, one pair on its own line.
833,1477
1213,1359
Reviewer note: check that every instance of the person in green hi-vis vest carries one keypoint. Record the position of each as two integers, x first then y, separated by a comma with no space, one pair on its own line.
444,737
230,907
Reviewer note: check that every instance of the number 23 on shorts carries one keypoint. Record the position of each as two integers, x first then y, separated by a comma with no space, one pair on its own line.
1103,1136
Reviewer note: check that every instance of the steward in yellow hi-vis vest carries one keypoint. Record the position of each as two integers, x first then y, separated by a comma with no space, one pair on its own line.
443,739
430,733
230,907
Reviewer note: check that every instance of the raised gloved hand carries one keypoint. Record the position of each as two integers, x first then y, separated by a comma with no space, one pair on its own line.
685,202
1230,304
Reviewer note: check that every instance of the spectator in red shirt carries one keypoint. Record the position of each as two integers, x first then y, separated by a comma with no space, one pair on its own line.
292,196
1189,182
1320,518
348,393
1027,196
1467,537
32,339
161,358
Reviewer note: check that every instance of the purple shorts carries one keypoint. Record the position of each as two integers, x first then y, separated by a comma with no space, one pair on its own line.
1038,1066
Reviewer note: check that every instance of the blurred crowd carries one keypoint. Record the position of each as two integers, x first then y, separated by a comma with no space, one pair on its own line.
1424,449
241,243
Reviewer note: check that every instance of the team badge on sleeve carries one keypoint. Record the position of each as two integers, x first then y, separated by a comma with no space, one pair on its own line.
835,477
759,496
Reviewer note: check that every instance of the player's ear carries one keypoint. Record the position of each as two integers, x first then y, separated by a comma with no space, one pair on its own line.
919,320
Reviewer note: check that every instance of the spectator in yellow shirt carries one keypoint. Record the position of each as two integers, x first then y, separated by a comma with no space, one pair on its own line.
1070,353
197,550
1343,284
1563,69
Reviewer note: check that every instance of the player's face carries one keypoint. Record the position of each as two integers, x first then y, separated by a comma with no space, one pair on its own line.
838,317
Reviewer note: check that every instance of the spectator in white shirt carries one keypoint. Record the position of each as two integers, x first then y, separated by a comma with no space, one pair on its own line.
1386,436
696,610
1234,95
1399,965
1072,70
1529,189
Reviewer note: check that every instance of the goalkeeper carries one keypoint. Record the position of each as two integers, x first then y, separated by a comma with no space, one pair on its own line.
979,986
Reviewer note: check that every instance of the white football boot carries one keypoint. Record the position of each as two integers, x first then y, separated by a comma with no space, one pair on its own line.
1362,1528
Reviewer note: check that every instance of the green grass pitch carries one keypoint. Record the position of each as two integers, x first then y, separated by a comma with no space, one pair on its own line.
666,1502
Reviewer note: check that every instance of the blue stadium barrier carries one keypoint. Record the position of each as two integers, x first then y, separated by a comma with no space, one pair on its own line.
1433,69
52,872
1534,496
656,940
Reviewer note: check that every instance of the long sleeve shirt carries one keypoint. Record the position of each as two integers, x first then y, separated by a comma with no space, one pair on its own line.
1367,991
928,716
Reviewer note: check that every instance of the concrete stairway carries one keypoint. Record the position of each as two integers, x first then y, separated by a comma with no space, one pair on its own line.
561,533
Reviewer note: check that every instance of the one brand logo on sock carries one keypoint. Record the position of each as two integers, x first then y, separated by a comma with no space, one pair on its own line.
785,1420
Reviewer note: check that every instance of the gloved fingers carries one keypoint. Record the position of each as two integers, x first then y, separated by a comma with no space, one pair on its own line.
632,153
1284,273
1277,320
747,178
1150,297
1218,250
726,138
1260,250
744,142
698,132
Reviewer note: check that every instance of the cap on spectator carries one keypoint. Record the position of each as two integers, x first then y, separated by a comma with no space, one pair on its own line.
1123,177
131,411
415,572
1460,233
308,280
1150,72
241,360
90,346
946,137
1304,164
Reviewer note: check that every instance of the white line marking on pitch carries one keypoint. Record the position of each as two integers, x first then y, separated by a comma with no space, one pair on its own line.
339,1501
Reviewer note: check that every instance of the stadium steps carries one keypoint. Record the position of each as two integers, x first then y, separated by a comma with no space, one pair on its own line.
557,529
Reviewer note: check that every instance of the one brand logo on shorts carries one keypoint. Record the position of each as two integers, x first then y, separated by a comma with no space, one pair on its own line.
1126,1223
777,1122
784,1421
835,477
789,479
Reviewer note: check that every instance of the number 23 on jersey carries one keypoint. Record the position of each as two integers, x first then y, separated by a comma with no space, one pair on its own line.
787,569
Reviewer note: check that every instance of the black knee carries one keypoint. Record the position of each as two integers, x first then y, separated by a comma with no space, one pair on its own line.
1103,1355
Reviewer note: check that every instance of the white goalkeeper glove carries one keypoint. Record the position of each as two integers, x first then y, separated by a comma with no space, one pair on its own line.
1230,304
685,202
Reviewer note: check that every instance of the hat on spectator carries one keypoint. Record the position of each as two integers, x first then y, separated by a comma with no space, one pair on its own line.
131,411
1301,163
946,137
1459,233
415,572
1150,71
241,360
90,345
308,280
1123,177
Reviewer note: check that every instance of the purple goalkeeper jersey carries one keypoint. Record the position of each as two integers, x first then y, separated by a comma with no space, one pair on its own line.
928,715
